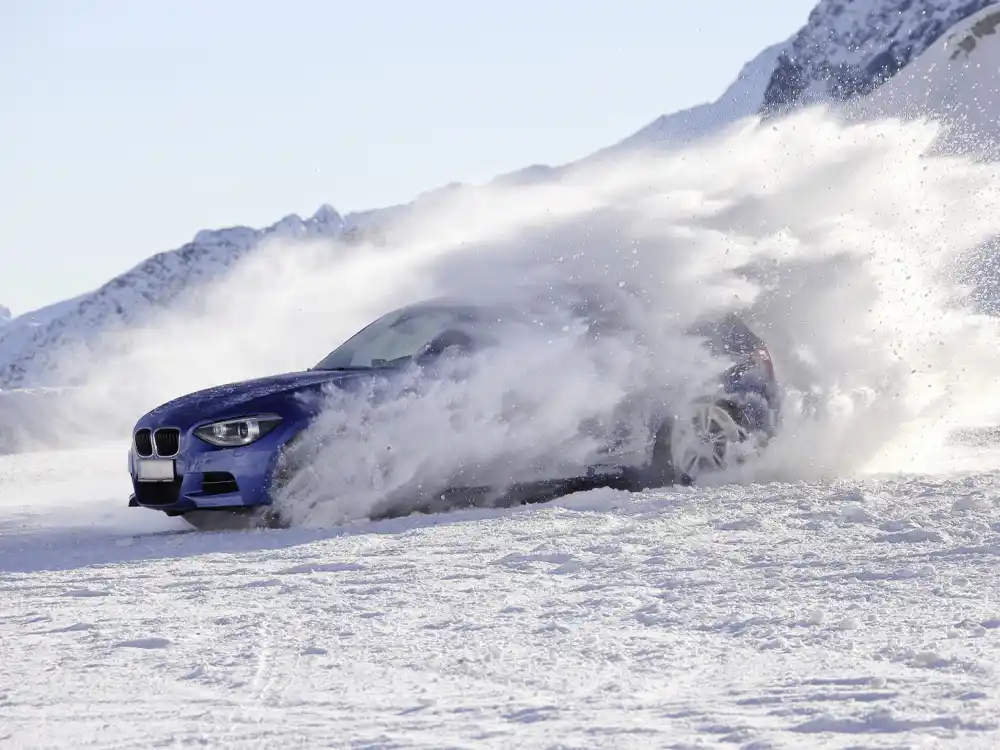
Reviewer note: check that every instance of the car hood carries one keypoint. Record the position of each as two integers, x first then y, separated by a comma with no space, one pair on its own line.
287,394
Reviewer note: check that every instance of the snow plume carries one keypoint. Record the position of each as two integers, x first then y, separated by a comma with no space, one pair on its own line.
540,405
837,242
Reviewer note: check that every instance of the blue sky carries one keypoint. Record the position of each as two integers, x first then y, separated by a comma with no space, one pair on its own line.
132,125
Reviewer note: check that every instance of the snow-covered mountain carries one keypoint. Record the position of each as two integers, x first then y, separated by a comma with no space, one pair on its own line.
741,99
850,47
5,316
958,79
29,345
847,48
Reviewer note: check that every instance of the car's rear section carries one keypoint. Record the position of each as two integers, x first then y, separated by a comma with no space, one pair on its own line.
734,423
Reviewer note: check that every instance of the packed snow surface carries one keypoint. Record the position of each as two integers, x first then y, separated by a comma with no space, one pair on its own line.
800,614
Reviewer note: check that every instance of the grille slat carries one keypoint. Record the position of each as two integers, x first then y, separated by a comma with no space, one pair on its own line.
168,442
218,483
144,443
158,493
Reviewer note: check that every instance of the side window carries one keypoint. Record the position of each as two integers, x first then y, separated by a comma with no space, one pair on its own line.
401,339
727,336
398,336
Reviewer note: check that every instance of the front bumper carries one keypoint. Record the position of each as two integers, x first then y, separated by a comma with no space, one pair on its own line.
206,477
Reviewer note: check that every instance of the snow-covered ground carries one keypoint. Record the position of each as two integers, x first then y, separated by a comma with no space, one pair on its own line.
852,614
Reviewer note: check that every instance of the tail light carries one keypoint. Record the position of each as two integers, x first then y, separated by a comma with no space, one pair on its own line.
762,358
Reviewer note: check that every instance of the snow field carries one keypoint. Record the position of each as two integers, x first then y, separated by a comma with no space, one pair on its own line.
830,615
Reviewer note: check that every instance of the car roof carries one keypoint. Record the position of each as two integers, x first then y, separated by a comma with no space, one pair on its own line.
728,327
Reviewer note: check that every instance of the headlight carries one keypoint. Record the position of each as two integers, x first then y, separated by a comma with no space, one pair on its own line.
236,432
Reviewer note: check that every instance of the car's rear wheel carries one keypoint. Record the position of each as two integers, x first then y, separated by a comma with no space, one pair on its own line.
710,436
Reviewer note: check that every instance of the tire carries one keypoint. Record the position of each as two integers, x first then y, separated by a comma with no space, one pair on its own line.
660,472
709,438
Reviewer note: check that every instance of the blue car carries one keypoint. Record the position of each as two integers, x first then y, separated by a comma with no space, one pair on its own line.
217,456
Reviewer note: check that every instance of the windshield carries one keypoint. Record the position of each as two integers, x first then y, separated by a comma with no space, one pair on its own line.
402,336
